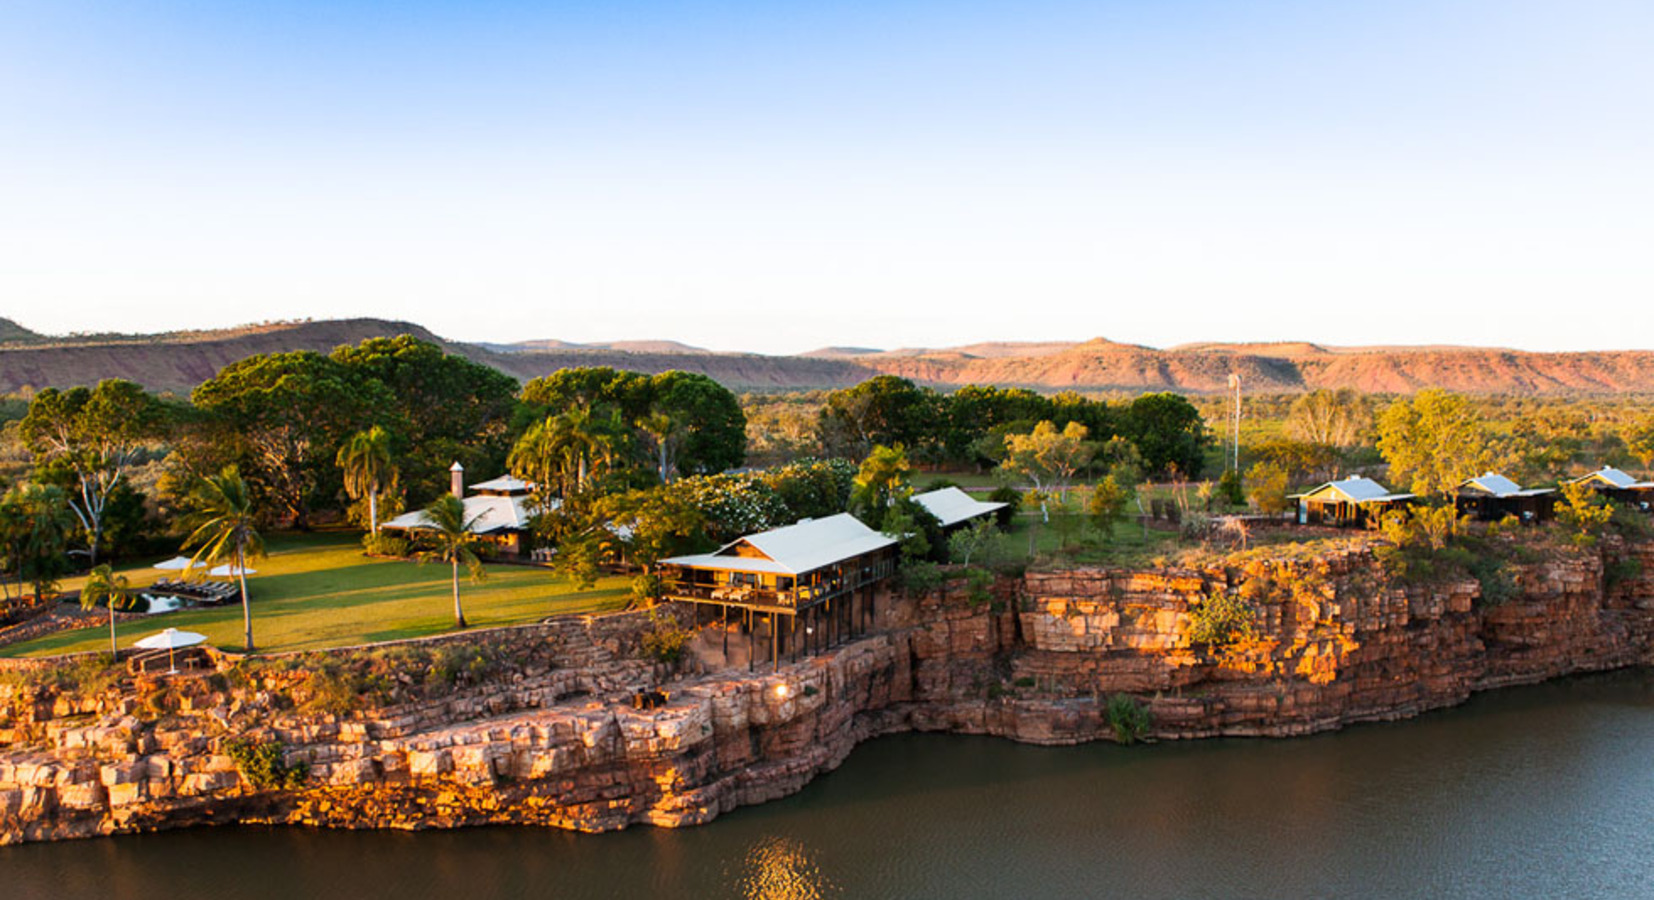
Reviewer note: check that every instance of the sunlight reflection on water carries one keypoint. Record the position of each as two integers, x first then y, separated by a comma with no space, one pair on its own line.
778,868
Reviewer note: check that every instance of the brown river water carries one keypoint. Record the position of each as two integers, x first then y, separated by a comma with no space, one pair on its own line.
1538,792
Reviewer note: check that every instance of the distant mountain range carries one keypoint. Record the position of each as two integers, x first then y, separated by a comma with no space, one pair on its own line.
180,360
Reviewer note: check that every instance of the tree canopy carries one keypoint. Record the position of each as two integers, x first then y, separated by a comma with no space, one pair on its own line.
95,436
1434,441
1168,432
283,416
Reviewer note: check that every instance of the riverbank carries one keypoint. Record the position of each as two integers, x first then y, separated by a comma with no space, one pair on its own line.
550,737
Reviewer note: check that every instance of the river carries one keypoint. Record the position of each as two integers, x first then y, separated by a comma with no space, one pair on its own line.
1545,791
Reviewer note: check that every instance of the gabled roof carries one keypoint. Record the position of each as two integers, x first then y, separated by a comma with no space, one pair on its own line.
794,549
1612,477
951,505
1497,485
505,484
1356,489
485,512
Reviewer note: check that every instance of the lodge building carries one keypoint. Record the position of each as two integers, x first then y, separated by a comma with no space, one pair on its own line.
819,576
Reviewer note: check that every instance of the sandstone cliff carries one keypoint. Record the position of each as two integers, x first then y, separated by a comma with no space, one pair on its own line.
552,740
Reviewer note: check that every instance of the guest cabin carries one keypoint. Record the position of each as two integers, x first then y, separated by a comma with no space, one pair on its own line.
1619,487
1491,497
956,509
497,510
819,575
1353,502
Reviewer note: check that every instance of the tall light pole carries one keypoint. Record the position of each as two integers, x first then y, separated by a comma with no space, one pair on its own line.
1235,382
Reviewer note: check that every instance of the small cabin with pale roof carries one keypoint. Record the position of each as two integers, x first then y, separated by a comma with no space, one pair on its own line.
1617,485
1490,497
1352,502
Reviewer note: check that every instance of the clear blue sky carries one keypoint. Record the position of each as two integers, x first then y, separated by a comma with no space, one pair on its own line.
777,177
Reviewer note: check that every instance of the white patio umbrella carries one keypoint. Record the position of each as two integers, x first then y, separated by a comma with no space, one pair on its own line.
229,571
175,564
170,640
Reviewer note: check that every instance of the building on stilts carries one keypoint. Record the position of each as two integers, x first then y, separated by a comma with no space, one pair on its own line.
809,585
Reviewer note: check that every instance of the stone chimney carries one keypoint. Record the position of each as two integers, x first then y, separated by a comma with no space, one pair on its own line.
456,480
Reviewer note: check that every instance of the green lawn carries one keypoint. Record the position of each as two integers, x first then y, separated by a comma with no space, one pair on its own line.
318,590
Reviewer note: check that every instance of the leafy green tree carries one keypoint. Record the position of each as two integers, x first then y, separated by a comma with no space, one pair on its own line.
1335,418
1268,483
1639,440
439,407
35,528
1435,441
885,409
881,481
971,540
281,416
1583,511
1299,459
1106,505
1230,489
456,543
916,531
225,530
365,460
1168,432
104,586
973,412
649,525
713,428
1047,457
627,393
96,435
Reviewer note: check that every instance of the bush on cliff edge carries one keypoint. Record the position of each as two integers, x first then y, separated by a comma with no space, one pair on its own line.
1129,719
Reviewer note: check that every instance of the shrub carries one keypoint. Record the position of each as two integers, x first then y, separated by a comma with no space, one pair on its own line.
1490,572
978,586
1622,571
264,765
646,589
385,545
1129,719
1229,489
1269,485
1221,620
665,639
1583,512
920,578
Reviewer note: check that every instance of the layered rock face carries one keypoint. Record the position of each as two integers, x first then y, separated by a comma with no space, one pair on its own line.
556,741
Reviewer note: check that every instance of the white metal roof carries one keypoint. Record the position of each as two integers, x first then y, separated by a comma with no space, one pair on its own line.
951,505
794,549
486,512
1499,486
1493,483
1358,489
505,484
1613,478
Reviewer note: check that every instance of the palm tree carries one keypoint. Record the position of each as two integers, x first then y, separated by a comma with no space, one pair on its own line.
104,586
226,531
455,541
571,448
365,459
